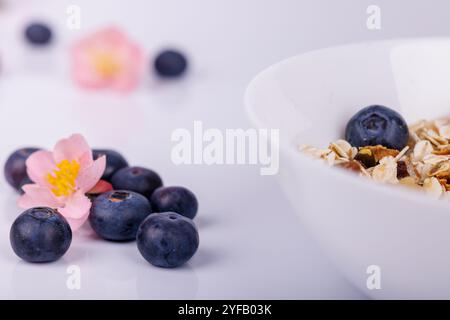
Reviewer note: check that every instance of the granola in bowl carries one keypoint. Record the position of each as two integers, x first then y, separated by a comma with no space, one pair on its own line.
423,163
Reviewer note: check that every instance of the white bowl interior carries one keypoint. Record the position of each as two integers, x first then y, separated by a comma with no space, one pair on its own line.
316,93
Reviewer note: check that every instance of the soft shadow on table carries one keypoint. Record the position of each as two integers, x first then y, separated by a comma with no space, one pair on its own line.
205,258
76,253
159,283
204,222
39,280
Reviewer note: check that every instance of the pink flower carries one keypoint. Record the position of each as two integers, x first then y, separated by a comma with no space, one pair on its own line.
107,59
63,177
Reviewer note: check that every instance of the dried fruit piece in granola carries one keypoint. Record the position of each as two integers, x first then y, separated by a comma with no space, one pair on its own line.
402,170
366,157
370,156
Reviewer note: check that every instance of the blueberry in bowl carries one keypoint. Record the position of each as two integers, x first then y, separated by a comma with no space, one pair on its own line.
175,199
167,239
137,179
15,169
40,235
116,215
114,162
377,125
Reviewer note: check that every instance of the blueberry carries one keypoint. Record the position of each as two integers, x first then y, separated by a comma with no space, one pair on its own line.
137,179
175,199
116,215
38,34
114,162
15,169
170,63
167,239
40,235
377,125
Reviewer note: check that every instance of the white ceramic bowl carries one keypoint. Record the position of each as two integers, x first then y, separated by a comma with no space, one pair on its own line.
359,222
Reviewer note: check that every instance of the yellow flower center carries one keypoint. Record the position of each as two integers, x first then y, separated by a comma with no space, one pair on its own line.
106,64
63,178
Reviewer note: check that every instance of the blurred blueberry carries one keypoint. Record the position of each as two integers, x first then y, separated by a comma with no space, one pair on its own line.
38,34
114,162
15,169
175,199
377,125
170,63
40,235
116,215
167,239
137,179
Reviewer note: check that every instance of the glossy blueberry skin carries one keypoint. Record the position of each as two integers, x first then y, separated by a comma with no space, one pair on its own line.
38,34
137,179
175,199
167,239
40,235
15,169
170,63
376,125
116,215
114,162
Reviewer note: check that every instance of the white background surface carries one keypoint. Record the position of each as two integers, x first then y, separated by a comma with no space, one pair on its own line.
252,245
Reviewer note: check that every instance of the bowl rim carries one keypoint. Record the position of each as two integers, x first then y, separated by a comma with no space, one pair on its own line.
410,196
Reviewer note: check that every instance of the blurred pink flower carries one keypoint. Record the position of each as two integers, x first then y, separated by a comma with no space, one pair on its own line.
107,59
62,178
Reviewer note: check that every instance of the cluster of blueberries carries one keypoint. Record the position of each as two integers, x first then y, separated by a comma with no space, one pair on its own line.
168,63
139,208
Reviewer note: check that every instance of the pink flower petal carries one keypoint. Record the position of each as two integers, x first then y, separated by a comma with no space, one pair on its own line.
37,196
73,148
76,207
129,78
89,177
86,159
101,187
76,224
110,42
125,83
87,79
109,37
84,74
39,165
